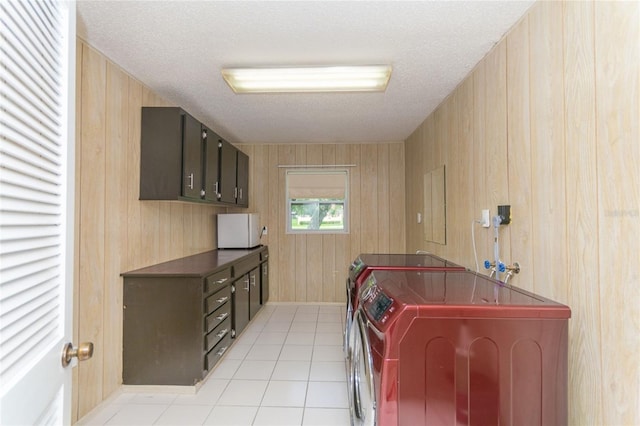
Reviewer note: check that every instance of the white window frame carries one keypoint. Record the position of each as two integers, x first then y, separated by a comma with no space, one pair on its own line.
344,202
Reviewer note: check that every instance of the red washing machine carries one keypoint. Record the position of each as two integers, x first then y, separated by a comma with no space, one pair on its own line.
359,272
365,263
457,348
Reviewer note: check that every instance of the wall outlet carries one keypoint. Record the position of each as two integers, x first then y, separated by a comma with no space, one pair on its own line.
265,231
419,217
486,222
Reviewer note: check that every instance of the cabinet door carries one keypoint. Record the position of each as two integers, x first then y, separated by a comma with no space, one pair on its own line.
163,331
264,283
241,304
170,154
254,292
228,189
211,165
191,157
161,153
242,178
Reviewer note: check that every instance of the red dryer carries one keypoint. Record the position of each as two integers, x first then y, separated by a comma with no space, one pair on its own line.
457,348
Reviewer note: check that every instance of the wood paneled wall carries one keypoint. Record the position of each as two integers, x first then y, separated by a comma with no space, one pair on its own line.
115,232
548,122
313,268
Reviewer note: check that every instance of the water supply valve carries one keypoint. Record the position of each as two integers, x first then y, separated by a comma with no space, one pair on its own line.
501,266
512,269
515,268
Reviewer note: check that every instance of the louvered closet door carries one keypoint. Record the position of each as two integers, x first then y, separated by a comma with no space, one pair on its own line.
37,73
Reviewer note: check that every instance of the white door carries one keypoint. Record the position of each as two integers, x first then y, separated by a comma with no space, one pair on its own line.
37,113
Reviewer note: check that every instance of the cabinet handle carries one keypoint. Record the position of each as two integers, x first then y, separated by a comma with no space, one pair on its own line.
253,280
190,181
241,193
266,270
220,281
247,283
222,299
215,188
222,351
235,192
222,316
222,333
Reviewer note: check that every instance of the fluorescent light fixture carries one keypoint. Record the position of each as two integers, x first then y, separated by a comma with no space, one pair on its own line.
366,78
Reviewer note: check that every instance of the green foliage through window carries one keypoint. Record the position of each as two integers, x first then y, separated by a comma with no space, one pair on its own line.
317,214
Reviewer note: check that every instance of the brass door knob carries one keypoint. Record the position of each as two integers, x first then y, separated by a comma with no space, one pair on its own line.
83,352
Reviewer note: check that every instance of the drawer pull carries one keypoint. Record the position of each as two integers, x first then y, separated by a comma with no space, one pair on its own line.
222,333
222,351
222,299
222,316
222,280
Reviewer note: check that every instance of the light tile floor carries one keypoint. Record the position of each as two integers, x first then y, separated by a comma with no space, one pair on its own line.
286,368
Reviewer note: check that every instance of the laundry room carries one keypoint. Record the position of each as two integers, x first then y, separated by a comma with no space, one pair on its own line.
489,178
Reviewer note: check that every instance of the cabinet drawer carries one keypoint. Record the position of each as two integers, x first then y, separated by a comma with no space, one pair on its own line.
214,319
218,333
216,353
245,265
218,299
215,281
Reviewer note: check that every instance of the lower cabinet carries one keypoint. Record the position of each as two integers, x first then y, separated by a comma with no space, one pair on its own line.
173,322
264,282
246,286
240,304
254,292
180,317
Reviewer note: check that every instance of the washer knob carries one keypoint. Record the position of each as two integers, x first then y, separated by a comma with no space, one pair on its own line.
367,293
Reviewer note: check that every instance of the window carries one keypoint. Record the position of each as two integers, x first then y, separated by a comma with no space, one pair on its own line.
317,201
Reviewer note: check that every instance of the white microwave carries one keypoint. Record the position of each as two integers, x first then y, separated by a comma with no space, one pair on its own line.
238,230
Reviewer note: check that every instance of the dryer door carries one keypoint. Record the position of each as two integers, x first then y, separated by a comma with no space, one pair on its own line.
364,395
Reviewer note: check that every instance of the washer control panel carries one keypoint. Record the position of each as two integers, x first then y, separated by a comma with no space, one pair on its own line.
379,306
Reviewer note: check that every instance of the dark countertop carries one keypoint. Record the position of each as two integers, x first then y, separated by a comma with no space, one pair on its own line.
197,265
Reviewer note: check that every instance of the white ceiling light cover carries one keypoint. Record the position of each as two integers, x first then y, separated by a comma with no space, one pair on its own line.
308,79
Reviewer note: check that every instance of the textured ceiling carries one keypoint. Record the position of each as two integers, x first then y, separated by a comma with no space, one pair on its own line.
177,48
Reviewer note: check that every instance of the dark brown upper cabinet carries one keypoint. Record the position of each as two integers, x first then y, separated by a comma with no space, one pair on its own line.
228,167
183,159
242,179
211,166
234,175
170,155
